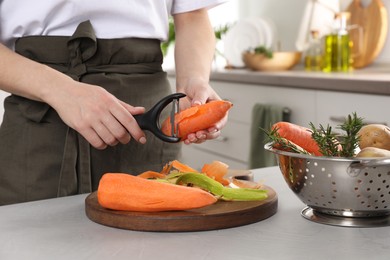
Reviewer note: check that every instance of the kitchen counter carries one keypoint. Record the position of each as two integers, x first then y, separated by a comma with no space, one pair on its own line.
59,229
370,80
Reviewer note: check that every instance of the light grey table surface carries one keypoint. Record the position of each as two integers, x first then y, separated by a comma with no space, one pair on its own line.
59,229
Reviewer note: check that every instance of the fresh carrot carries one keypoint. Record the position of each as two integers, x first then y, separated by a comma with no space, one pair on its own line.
120,191
197,118
216,170
298,135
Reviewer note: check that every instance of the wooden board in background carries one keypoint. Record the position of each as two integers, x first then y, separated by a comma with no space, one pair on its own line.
374,21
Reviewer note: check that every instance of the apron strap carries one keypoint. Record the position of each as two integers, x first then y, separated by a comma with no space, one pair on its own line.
75,175
82,46
76,158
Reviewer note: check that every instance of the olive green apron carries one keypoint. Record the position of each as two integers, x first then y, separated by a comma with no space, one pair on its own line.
40,157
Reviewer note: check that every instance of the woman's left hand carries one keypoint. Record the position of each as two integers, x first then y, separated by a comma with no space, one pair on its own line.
199,92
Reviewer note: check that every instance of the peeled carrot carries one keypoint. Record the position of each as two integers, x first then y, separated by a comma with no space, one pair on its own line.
197,118
120,191
216,170
298,135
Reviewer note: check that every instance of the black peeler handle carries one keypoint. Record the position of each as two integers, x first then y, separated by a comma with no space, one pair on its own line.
150,120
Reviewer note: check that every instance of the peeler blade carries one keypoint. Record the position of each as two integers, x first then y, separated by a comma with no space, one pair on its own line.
175,109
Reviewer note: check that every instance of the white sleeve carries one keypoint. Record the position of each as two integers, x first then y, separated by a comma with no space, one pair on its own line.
182,6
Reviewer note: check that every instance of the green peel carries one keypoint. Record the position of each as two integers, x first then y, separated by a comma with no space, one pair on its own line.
243,194
202,181
217,189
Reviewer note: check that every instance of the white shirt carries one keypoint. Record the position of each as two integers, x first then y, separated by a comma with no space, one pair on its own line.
109,18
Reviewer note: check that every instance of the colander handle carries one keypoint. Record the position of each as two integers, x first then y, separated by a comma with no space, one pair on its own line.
356,167
372,163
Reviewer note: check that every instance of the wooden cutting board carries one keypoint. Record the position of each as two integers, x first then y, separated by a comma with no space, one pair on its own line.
217,216
374,22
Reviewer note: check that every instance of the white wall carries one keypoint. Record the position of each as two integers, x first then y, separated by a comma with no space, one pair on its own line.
285,14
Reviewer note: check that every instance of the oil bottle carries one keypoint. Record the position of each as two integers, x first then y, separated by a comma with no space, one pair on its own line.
337,50
313,56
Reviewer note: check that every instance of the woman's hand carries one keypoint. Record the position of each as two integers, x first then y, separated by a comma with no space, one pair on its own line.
199,92
98,116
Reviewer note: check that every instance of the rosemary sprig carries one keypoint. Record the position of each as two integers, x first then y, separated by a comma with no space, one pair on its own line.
325,139
350,140
330,142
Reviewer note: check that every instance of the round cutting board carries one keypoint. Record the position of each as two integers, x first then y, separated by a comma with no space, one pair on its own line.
220,215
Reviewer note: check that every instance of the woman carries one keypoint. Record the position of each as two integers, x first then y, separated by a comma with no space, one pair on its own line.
79,72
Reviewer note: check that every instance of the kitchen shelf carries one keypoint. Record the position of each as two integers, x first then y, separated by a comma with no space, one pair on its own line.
370,80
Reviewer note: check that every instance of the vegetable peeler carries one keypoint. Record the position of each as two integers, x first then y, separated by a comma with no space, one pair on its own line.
150,120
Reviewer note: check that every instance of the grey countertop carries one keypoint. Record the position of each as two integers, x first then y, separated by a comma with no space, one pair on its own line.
59,229
370,80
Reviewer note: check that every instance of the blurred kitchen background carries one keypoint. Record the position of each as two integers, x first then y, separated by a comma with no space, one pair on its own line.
291,21
287,16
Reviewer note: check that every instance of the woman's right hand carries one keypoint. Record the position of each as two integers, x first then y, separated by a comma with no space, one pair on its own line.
97,115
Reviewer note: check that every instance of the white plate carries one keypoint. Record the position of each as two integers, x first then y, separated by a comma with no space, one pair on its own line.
246,34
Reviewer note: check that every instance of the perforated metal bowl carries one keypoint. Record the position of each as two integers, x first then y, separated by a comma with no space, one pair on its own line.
356,188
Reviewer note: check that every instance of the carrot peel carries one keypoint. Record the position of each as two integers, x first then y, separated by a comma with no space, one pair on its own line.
216,170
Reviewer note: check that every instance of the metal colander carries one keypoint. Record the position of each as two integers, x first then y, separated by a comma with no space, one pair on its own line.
336,186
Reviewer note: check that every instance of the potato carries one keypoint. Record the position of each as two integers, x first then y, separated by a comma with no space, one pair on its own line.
373,152
374,135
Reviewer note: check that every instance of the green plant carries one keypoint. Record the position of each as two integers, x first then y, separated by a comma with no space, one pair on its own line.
221,30
263,50
171,38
